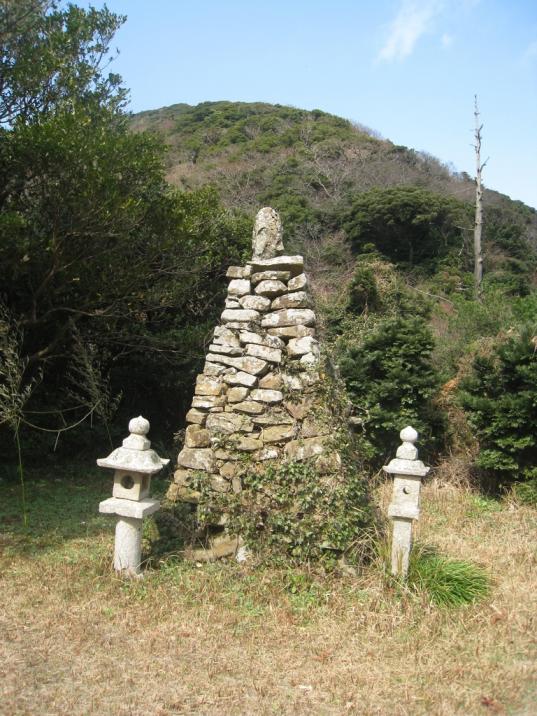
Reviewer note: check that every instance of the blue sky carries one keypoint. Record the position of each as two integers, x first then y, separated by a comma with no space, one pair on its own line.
408,69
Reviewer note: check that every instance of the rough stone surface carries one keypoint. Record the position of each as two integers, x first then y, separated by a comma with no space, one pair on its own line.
249,406
236,395
225,350
238,287
298,450
267,234
228,423
262,340
196,459
289,317
240,378
196,437
266,396
291,331
301,346
249,444
255,303
247,364
225,336
269,354
273,416
282,276
239,315
278,433
196,416
298,299
271,381
293,264
239,272
208,386
297,283
298,409
270,288
219,484
207,401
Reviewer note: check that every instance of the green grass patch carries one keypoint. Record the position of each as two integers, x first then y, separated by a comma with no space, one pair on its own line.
447,582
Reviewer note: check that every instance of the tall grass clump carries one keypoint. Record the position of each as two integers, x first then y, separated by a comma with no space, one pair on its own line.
447,582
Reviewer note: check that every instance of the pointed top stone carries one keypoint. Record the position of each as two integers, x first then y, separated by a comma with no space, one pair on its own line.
267,234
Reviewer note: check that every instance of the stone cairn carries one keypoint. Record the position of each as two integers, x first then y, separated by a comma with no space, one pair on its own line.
256,396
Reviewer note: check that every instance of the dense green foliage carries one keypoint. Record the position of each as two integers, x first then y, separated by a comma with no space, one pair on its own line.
500,397
391,383
408,225
112,278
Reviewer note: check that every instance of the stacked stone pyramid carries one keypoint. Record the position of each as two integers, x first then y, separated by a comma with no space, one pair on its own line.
255,400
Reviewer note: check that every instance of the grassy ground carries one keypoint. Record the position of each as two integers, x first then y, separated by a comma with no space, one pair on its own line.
223,639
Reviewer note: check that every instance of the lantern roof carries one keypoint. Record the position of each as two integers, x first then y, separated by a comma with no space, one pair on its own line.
135,453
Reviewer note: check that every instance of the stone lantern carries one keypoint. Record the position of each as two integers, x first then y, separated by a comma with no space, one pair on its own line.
404,508
134,463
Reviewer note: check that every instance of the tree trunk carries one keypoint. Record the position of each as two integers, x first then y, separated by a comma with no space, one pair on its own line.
478,223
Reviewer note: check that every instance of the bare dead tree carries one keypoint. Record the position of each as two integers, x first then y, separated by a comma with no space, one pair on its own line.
478,223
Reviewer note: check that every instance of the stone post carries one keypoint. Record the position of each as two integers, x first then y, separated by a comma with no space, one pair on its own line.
408,472
134,463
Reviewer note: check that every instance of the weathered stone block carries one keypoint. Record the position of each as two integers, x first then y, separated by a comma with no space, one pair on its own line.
196,437
311,428
225,349
329,463
238,287
196,416
298,450
208,401
219,484
282,276
273,416
266,396
270,452
271,381
212,369
294,264
208,386
289,317
229,423
197,459
230,303
249,444
298,282
270,288
301,346
247,364
240,378
256,303
239,315
278,433
298,299
224,336
235,395
291,331
261,340
239,272
298,409
270,354
249,406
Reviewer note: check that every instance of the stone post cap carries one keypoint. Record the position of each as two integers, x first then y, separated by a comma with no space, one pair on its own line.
406,458
135,454
267,236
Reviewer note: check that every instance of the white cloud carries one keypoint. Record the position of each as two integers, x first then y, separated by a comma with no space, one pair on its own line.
414,19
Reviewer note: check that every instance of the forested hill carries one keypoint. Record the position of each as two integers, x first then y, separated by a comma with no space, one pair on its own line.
307,164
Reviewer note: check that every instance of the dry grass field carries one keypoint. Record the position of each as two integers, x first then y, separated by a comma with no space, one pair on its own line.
224,639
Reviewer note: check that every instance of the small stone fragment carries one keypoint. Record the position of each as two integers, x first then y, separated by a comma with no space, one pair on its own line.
226,337
310,359
282,276
196,458
298,299
231,469
238,287
267,453
266,396
289,317
297,283
249,444
208,386
239,315
219,484
248,364
211,369
230,303
270,354
292,382
256,303
299,409
196,437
